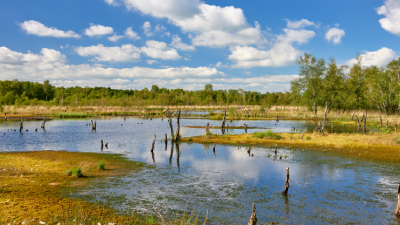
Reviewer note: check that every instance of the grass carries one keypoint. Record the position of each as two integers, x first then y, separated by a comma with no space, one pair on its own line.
77,172
101,165
267,135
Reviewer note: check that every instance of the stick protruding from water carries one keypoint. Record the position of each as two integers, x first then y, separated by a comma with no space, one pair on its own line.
253,218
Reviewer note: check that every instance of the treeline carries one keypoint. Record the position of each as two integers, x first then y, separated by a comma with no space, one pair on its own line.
14,92
347,88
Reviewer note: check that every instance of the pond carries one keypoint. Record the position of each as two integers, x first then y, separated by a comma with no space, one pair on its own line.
324,188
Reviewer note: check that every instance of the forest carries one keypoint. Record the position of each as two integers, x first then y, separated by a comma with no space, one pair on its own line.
320,82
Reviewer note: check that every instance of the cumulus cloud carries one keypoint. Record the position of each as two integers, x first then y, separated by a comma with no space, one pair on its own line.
147,29
37,28
211,25
98,30
282,52
335,35
128,52
380,57
391,11
125,53
160,50
131,34
111,2
150,62
177,43
160,28
115,38
296,24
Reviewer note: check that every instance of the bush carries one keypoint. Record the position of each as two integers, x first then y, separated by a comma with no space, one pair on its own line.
101,166
77,172
268,134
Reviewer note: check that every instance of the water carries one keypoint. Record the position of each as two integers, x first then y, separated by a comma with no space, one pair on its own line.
323,189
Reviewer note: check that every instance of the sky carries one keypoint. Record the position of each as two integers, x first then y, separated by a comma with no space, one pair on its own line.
132,44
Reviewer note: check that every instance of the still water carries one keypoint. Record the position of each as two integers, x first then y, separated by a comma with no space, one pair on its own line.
324,188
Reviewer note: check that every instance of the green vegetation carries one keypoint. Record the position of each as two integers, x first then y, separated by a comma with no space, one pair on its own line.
308,138
101,165
267,135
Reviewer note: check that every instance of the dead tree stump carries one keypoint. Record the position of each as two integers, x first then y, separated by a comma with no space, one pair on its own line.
223,121
381,121
101,143
172,129
387,124
395,127
21,124
253,217
44,122
152,145
397,213
287,182
178,127
5,117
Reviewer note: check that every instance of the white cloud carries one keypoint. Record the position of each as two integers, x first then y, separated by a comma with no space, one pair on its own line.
147,29
218,64
296,24
125,53
111,2
131,34
160,50
128,52
115,38
335,35
8,56
150,62
66,46
36,28
98,30
212,25
160,28
380,57
391,11
177,43
282,52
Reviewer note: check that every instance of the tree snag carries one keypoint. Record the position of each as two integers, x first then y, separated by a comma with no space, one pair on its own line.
253,217
44,122
5,117
152,145
397,213
287,182
178,126
21,124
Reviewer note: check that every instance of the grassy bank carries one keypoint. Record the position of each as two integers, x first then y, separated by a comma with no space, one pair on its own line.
31,184
378,147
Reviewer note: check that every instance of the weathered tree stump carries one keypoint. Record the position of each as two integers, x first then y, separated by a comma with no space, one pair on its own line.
152,145
101,143
245,128
223,121
397,213
166,142
214,148
287,182
172,129
21,124
44,122
277,118
5,117
395,127
253,217
178,127
93,125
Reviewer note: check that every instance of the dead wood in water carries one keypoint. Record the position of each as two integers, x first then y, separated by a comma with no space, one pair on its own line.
397,213
178,126
172,128
253,217
152,145
166,142
44,122
223,121
5,117
287,182
93,125
21,124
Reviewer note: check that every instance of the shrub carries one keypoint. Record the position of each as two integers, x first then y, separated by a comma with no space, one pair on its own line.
101,165
268,134
77,172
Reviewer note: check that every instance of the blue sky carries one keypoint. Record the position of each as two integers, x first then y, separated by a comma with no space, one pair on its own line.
132,44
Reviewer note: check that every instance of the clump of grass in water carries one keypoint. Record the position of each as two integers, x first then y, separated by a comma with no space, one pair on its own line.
77,172
101,165
268,134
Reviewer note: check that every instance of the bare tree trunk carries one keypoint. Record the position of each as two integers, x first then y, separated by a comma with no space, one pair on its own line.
44,122
359,125
387,124
381,121
152,145
323,126
287,182
253,218
21,125
223,121
178,127
172,129
397,213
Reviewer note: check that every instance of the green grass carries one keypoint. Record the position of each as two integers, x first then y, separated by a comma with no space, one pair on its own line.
101,165
308,138
77,172
267,135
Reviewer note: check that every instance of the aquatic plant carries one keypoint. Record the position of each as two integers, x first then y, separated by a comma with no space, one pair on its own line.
286,156
101,165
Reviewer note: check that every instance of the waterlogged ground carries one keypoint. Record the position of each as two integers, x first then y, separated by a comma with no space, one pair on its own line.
323,188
